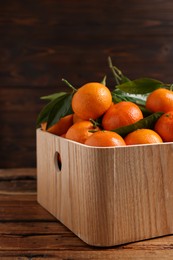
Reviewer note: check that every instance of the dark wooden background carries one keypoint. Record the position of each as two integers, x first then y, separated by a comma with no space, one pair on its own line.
43,41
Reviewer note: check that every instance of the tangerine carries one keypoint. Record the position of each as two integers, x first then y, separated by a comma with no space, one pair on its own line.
80,131
91,100
164,126
121,114
60,127
76,119
143,136
104,139
160,100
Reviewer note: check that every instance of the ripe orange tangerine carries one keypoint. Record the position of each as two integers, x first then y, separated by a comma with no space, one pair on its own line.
80,131
105,139
160,100
76,119
164,126
121,114
91,100
60,127
143,136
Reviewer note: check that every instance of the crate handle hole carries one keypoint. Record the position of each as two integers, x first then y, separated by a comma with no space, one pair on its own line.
58,162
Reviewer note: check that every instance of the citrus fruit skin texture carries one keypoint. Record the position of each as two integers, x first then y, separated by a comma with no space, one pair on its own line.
61,127
91,100
143,136
105,139
160,100
121,114
76,119
80,131
164,126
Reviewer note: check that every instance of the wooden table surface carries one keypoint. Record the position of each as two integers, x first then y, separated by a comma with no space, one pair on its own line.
27,231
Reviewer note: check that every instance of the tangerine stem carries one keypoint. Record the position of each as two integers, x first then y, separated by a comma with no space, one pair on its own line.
93,131
117,77
69,85
104,81
95,124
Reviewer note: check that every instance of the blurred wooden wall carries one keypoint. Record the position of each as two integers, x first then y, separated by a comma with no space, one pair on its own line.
43,41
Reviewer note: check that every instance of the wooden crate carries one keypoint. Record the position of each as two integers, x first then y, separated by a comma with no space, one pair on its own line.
107,196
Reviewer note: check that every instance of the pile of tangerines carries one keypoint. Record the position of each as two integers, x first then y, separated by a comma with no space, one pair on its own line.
93,101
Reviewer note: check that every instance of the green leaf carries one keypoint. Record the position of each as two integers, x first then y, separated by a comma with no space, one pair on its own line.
145,111
119,95
147,122
53,96
43,115
60,109
141,86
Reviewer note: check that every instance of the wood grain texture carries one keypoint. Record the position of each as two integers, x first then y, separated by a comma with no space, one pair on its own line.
51,39
31,237
107,196
45,41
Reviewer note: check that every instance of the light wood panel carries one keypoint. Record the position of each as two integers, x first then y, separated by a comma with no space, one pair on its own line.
107,196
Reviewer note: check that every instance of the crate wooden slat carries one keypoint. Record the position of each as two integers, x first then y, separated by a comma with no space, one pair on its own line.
107,196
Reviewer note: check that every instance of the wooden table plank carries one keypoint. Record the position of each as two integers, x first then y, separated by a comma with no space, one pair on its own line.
20,180
91,255
27,231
